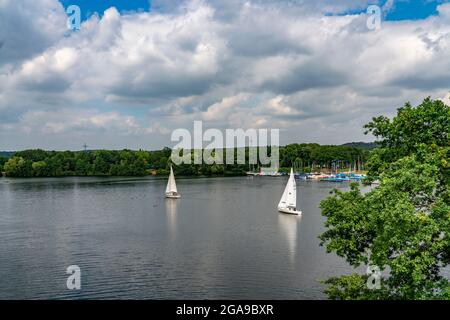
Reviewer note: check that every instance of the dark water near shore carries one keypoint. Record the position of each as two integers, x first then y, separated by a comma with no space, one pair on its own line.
223,240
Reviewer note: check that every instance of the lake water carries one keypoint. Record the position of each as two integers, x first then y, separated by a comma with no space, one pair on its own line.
224,239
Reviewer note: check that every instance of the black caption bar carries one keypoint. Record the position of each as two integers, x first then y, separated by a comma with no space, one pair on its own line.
229,309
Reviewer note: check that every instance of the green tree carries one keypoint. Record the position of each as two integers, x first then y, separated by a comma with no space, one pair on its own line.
139,166
82,167
40,169
403,225
18,167
32,155
101,163
2,163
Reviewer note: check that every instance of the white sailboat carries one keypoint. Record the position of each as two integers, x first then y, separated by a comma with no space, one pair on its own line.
171,189
288,202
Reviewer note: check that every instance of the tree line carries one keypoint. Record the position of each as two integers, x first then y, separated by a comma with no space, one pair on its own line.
41,163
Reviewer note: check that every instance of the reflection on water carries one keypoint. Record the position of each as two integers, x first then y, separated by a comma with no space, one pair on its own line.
224,239
288,227
171,213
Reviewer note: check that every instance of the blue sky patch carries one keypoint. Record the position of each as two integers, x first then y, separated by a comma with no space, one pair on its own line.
90,7
413,9
405,9
402,9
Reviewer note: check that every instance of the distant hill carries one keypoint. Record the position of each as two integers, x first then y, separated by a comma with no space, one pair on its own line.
6,154
362,145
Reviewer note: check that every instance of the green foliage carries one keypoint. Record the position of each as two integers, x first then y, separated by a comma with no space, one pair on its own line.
353,287
40,169
362,145
40,163
137,163
320,156
428,125
403,225
2,162
18,167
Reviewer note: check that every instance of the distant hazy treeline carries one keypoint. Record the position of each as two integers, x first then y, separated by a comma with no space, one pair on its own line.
40,163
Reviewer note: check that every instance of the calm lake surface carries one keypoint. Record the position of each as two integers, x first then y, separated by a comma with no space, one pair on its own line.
223,240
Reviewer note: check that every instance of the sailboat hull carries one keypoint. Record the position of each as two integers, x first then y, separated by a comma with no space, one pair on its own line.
289,211
173,195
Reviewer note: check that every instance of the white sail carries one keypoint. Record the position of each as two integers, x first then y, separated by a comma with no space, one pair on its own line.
283,200
292,194
171,185
289,197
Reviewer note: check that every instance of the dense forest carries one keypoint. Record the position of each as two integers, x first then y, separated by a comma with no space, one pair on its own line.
40,163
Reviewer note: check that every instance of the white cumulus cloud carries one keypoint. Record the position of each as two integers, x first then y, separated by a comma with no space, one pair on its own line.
126,77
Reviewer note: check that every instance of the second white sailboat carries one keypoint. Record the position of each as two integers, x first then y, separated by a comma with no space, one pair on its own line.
288,202
171,189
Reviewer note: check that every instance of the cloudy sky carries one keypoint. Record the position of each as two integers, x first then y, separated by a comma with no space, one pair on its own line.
137,70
